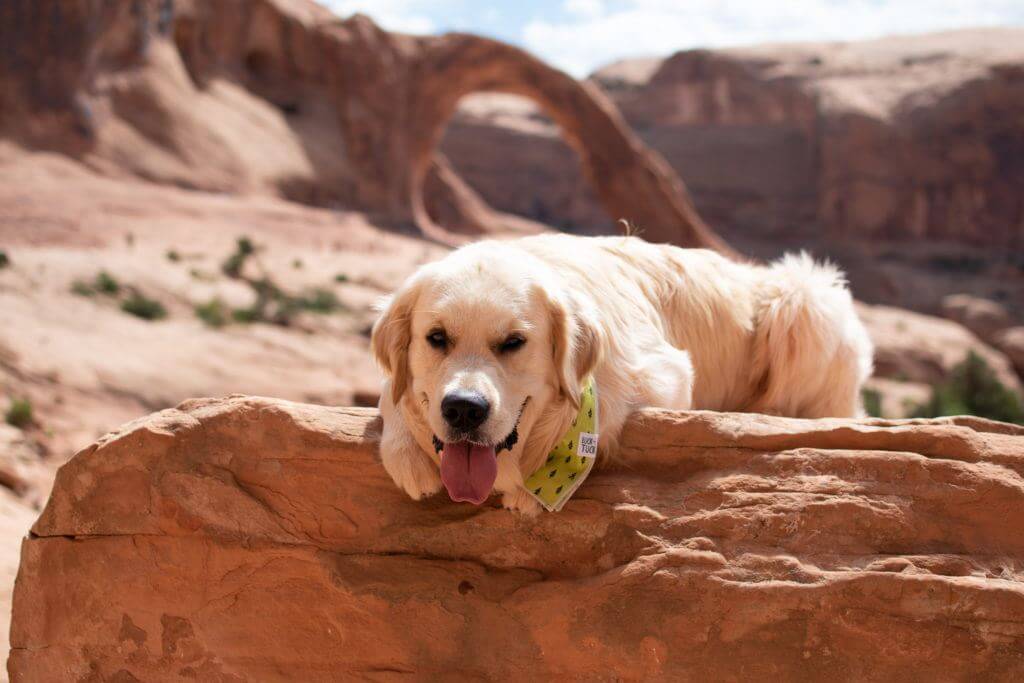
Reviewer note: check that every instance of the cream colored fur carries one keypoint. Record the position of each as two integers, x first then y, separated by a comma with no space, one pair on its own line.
658,326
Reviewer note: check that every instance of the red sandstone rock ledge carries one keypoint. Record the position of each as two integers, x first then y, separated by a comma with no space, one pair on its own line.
250,539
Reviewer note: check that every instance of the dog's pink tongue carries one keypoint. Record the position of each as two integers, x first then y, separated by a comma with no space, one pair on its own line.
468,471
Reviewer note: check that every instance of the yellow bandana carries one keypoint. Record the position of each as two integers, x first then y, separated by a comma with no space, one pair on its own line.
571,460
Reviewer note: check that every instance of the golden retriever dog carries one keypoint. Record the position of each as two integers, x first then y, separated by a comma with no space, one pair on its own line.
486,350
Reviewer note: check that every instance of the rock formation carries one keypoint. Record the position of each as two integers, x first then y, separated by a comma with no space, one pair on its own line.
920,348
282,96
991,322
982,317
901,157
254,539
904,137
1011,342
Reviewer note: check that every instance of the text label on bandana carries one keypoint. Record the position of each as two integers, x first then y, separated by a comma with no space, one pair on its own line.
571,460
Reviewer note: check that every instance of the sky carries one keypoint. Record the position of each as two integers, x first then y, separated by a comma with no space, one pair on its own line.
582,35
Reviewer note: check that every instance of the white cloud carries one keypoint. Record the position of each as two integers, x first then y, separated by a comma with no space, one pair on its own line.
584,8
405,16
587,39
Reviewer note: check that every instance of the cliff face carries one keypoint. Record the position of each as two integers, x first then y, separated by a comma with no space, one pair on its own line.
899,138
252,539
900,158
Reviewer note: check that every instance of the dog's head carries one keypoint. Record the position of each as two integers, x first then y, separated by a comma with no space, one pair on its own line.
483,345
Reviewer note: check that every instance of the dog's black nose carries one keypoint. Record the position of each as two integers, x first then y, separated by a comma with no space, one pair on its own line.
465,410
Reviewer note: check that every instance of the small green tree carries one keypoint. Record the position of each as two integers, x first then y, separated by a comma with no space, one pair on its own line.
972,388
141,306
319,300
214,313
872,402
244,248
106,283
19,413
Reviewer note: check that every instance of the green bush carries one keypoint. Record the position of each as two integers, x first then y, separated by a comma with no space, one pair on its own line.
143,307
103,283
82,288
245,315
106,284
872,402
244,248
19,413
5,260
273,304
232,266
173,256
972,388
341,277
319,300
214,313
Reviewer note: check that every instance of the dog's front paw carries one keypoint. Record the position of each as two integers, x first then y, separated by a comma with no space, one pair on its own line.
414,473
522,502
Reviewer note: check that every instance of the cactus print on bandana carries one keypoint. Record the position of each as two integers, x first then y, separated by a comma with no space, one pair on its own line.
571,460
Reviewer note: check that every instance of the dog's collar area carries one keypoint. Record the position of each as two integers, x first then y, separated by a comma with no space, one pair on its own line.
572,458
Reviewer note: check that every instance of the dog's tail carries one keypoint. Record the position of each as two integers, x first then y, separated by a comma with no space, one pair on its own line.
808,337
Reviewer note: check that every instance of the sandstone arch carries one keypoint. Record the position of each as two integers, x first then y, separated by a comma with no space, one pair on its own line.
389,96
632,181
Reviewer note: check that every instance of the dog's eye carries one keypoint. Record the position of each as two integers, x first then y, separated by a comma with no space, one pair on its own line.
438,339
513,343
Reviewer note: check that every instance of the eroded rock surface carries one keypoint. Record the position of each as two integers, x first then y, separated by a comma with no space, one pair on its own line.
901,137
901,157
982,317
921,348
282,96
254,539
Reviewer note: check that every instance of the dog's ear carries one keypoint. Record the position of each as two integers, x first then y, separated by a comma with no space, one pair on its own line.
392,334
576,343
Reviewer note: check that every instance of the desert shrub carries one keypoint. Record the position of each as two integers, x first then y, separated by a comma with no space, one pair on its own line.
319,300
245,315
5,260
214,313
244,248
272,303
872,402
82,288
341,277
173,256
106,284
972,388
103,283
141,306
232,266
202,275
19,413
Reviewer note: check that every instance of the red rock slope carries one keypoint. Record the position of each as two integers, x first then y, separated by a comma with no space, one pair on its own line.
282,96
251,539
